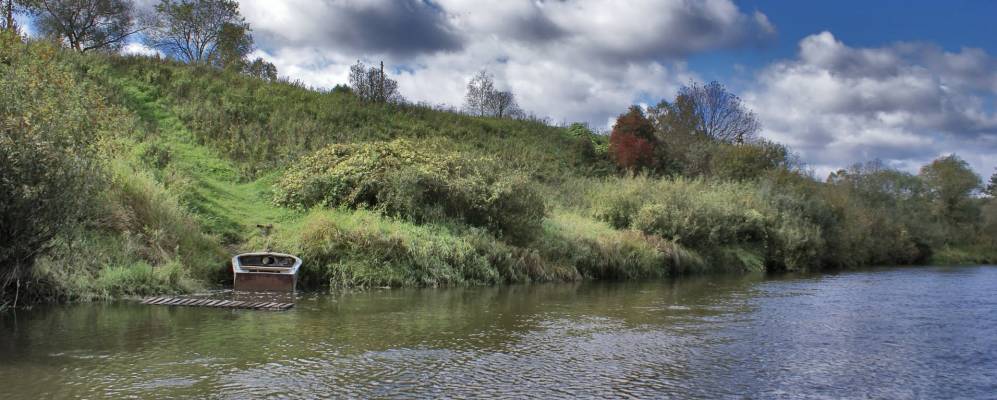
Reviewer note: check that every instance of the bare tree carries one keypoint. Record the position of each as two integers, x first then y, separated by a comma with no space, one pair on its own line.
84,24
373,85
190,30
479,91
721,114
503,104
483,99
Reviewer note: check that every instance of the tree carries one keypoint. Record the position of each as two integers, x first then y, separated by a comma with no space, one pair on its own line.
262,69
631,144
483,99
950,181
950,184
479,92
50,171
85,25
992,186
721,114
190,30
503,104
634,122
372,85
9,8
234,44
675,121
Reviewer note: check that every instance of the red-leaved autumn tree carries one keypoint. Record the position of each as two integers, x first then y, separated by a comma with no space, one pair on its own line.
631,144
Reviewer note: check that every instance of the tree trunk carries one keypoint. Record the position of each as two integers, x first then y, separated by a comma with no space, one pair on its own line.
9,15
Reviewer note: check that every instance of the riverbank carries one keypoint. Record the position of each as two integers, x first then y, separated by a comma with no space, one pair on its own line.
173,166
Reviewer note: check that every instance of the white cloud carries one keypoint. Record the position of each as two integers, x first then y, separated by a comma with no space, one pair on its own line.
905,103
582,60
139,49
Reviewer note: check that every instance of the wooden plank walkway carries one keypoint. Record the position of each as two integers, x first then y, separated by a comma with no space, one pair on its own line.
191,302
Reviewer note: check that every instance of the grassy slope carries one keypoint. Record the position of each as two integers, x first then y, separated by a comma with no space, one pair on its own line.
218,141
364,248
225,206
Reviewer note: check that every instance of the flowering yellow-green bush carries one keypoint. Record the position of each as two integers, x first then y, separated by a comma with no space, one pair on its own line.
398,179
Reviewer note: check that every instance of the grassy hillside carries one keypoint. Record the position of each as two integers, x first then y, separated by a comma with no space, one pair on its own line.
192,158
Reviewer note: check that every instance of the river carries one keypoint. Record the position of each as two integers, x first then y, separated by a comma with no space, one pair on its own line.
924,332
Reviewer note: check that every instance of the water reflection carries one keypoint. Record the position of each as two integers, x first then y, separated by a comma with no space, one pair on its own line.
889,333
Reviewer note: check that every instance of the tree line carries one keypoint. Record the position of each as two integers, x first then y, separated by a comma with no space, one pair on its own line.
210,32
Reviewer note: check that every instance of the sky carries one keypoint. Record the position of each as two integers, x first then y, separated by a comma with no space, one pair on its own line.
838,82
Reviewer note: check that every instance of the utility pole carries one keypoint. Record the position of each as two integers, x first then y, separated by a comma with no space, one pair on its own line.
381,95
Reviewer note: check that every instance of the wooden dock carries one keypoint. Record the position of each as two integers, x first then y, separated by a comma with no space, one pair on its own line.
194,302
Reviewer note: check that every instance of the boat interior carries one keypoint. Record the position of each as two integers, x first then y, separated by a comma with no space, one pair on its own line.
266,262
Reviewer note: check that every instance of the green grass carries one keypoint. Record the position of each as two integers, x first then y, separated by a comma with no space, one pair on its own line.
209,184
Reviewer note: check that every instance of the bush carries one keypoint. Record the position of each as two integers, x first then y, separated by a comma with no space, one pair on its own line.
598,251
747,161
396,179
362,249
142,279
138,207
733,225
50,127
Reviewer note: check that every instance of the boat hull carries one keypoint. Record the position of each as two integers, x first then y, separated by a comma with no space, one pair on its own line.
264,282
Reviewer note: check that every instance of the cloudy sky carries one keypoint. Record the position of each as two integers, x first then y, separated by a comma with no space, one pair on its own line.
840,82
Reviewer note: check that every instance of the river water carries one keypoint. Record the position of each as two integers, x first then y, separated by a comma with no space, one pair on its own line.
927,332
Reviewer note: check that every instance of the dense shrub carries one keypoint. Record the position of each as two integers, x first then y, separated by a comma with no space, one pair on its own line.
50,126
397,179
747,161
363,249
734,225
598,251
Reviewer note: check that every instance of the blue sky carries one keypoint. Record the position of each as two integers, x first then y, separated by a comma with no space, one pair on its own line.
950,24
840,82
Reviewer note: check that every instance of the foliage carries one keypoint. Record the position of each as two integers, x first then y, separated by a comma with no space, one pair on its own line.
747,161
85,25
634,123
397,179
484,99
196,156
720,114
234,43
50,126
631,143
950,182
371,84
991,188
261,69
194,31
8,23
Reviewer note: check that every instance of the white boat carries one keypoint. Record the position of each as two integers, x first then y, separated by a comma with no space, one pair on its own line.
265,271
